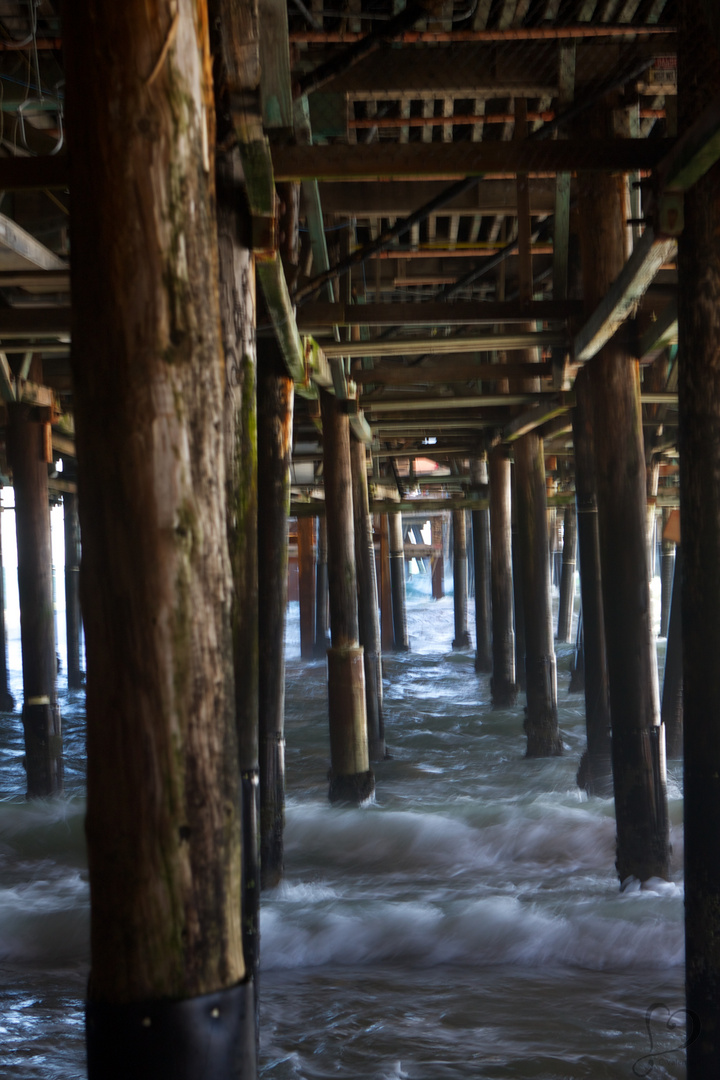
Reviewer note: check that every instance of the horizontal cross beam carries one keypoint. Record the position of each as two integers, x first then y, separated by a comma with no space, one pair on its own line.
452,161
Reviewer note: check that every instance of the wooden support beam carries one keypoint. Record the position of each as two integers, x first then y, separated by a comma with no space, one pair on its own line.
440,313
467,501
435,345
275,82
36,280
272,279
449,371
631,283
662,332
7,379
400,197
554,404
24,173
536,416
693,154
452,161
34,322
19,250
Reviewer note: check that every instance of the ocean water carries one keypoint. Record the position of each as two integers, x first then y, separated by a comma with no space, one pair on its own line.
467,923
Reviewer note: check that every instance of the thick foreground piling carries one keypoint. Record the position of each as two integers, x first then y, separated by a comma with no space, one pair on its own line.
168,996
26,436
699,394
351,779
637,750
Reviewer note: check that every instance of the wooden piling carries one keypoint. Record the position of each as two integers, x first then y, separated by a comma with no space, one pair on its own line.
503,686
438,558
401,642
577,673
7,701
387,633
460,581
351,779
236,280
275,414
41,716
518,603
541,723
322,630
163,818
699,422
667,573
672,696
72,589
567,580
481,557
306,585
595,772
368,607
637,751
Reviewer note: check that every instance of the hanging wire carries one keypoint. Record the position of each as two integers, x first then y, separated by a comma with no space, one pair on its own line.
32,36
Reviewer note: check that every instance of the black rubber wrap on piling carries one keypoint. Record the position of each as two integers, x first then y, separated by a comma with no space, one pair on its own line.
355,789
210,1037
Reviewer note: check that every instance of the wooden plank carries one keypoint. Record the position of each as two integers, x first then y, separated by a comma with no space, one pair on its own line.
439,313
23,250
401,197
633,281
456,160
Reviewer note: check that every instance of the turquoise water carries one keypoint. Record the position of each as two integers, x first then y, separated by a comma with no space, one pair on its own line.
467,923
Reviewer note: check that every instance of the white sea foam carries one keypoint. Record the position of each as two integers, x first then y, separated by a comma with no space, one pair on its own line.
494,930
